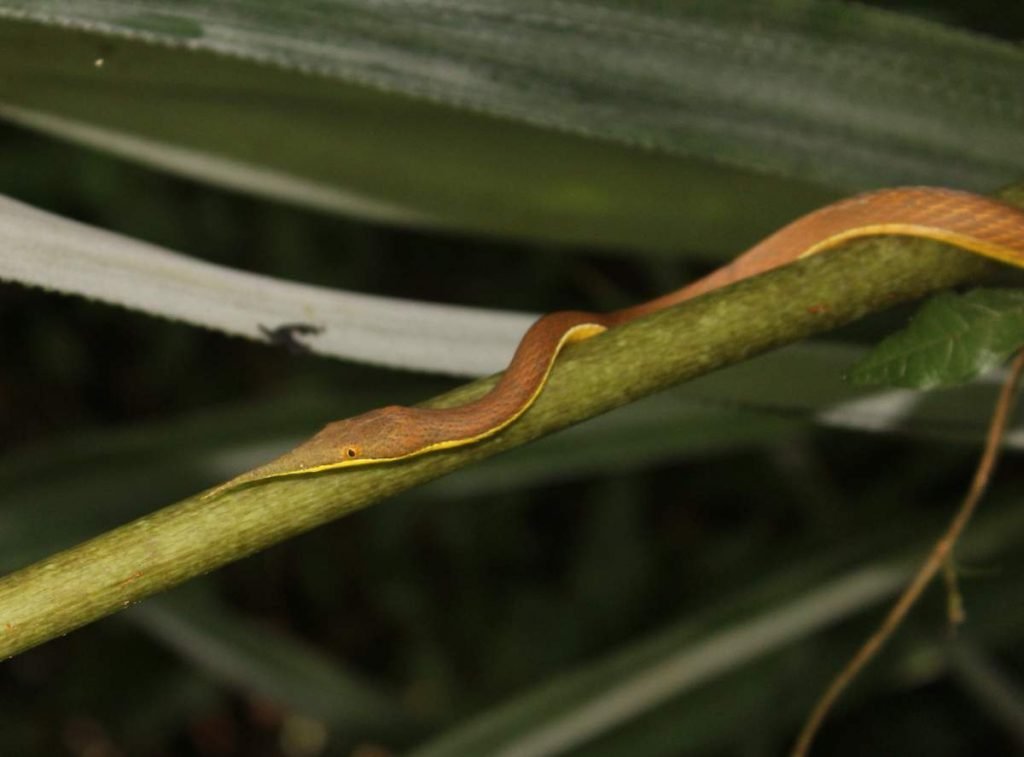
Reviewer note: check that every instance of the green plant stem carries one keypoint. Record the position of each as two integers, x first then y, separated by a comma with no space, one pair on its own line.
125,565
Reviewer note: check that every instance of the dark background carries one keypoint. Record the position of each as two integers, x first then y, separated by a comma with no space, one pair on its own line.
453,606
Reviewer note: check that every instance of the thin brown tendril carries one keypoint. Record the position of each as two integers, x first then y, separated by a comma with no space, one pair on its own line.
940,555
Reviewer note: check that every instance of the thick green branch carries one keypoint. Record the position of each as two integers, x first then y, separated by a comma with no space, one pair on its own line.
110,572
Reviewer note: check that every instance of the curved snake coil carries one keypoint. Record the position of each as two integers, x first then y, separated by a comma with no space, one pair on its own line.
978,224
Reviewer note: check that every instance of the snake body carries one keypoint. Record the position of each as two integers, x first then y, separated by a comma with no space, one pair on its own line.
975,223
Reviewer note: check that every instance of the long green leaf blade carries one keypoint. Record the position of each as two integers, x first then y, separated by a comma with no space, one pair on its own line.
674,76
812,91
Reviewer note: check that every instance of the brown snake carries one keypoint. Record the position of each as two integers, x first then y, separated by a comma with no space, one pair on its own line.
978,224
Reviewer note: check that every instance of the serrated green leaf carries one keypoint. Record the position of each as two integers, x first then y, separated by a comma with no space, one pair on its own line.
951,340
525,118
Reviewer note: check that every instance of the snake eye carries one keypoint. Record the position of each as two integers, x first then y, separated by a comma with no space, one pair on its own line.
350,453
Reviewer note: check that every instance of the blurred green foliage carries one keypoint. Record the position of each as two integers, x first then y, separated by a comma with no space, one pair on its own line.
447,605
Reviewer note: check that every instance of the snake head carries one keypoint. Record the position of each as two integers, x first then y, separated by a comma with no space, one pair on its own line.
382,435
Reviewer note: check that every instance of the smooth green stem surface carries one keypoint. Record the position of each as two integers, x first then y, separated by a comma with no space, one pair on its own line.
125,565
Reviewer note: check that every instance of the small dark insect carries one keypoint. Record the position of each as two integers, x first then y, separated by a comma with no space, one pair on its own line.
287,335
